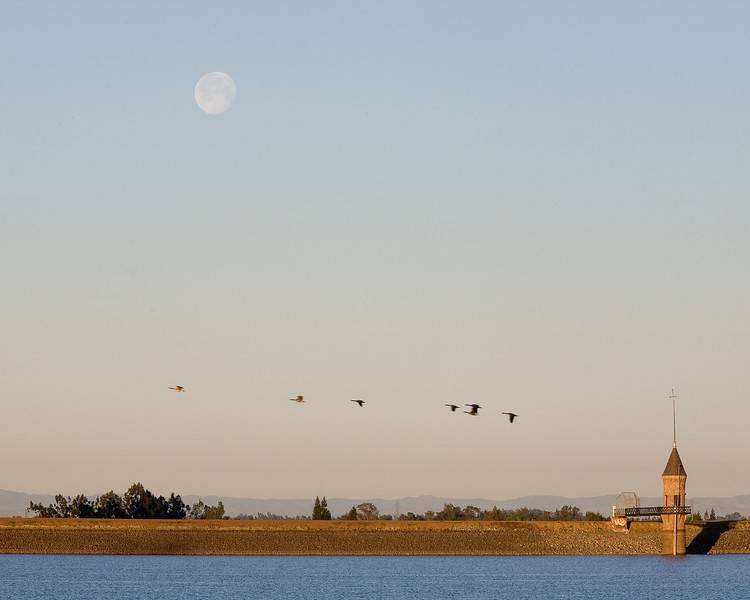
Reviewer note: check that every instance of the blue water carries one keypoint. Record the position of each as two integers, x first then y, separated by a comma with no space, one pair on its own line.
334,578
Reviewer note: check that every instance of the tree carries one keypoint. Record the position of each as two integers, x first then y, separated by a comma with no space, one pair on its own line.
269,516
215,513
316,509
713,514
201,511
471,512
449,513
134,501
63,506
367,511
495,514
351,515
176,508
705,515
109,506
45,512
325,514
197,511
567,513
81,508
140,503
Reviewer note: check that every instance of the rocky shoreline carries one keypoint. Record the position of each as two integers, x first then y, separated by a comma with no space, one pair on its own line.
310,538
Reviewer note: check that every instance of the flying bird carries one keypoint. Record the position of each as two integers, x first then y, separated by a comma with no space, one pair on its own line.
298,399
178,388
511,416
453,407
474,409
360,402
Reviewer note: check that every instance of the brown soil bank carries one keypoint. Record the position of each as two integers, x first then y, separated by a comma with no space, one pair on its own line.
62,536
733,540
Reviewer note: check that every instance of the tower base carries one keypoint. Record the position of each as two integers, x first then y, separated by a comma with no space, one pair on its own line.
672,546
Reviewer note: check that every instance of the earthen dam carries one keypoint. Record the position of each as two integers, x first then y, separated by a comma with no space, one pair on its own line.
394,538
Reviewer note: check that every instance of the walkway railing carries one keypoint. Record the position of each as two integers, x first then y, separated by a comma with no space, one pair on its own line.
651,511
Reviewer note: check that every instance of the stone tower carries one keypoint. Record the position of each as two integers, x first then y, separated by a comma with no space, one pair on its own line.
673,525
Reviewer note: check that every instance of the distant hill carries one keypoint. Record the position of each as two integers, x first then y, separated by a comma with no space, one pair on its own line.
15,503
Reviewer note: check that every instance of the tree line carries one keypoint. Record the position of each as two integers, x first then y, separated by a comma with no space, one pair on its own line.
564,513
136,503
140,503
367,511
706,516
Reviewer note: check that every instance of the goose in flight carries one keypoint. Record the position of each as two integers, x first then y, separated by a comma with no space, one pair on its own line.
360,402
474,409
453,407
298,399
511,416
178,388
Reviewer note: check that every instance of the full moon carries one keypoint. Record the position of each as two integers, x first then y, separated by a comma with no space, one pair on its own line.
215,93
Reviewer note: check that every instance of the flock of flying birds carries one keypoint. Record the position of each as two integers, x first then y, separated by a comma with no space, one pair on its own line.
474,408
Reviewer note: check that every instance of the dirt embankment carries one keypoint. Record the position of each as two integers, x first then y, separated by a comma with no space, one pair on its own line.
734,540
58,536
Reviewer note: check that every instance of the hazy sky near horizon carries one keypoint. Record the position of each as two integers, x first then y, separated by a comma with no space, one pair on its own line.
539,207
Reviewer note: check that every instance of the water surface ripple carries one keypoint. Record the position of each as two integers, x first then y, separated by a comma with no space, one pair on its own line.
339,578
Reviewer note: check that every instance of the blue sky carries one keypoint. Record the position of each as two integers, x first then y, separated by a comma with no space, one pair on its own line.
537,205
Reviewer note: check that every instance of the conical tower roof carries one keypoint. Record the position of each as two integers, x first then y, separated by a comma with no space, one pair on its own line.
674,465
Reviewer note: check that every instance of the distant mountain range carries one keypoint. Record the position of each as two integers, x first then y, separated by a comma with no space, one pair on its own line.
15,503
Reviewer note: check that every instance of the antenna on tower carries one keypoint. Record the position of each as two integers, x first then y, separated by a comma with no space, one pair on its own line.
673,397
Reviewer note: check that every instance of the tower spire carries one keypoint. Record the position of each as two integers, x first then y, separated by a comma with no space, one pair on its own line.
673,397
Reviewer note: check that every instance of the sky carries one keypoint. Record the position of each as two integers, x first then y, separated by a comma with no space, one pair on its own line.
538,207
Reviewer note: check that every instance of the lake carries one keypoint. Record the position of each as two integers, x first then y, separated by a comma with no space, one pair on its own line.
333,578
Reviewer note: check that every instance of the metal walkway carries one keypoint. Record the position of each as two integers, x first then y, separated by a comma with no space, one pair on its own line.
651,511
